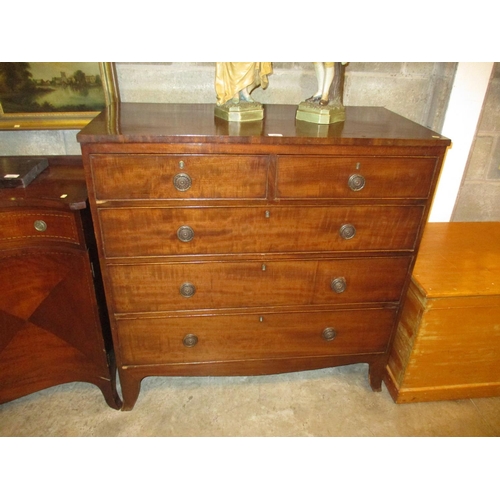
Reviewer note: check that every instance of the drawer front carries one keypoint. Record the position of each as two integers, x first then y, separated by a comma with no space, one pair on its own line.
134,177
355,178
252,336
166,231
214,285
24,226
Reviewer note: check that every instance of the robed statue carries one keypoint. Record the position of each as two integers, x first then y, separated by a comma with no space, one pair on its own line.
234,83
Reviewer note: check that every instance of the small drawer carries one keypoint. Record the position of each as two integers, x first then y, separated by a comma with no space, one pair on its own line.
216,285
254,336
27,225
132,232
146,177
326,177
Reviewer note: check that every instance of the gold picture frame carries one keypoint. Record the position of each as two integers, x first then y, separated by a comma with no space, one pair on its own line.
107,88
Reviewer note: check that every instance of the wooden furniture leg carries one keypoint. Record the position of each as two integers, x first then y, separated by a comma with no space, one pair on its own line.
131,386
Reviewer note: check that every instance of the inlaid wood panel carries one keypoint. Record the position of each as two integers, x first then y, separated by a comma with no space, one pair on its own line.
28,225
50,330
53,325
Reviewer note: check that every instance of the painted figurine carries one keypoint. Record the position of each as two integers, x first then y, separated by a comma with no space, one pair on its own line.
236,81
325,72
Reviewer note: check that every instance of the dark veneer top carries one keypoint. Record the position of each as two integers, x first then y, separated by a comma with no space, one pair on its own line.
188,123
61,185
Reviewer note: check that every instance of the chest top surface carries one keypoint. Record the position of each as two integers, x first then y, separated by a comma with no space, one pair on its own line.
188,123
459,259
61,186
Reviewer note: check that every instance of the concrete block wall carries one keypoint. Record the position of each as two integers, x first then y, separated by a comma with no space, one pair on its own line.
479,195
418,91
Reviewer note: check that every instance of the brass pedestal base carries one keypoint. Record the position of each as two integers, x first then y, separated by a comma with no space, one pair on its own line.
323,115
240,112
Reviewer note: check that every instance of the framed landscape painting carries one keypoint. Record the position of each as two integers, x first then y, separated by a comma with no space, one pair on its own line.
54,95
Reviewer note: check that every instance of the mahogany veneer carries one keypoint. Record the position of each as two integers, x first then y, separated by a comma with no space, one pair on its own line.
50,322
255,248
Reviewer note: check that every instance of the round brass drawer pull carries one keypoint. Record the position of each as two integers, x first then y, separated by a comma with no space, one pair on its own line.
339,285
40,225
182,182
356,182
329,334
185,233
347,231
187,290
190,340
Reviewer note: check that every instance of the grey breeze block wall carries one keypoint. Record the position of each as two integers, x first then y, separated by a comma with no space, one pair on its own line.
479,195
418,91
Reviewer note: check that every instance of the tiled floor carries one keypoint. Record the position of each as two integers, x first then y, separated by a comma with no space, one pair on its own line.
330,402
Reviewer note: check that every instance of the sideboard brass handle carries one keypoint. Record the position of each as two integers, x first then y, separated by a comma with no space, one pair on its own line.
339,285
356,182
182,182
187,290
329,334
40,225
190,340
185,233
347,231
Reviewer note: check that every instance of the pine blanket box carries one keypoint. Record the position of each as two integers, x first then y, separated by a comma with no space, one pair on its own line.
447,344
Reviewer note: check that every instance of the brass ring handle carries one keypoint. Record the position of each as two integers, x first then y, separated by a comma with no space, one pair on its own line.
356,182
339,285
187,290
40,225
182,182
329,334
190,340
185,233
347,231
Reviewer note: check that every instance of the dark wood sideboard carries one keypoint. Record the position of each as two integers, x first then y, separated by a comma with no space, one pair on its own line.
255,248
53,320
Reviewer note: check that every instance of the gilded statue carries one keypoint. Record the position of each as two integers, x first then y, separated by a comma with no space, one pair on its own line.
234,83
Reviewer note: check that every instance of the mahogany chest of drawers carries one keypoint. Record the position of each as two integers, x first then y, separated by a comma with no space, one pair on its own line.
255,248
52,330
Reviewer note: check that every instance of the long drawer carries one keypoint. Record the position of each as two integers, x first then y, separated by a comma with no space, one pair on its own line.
165,231
251,336
134,177
212,285
323,177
